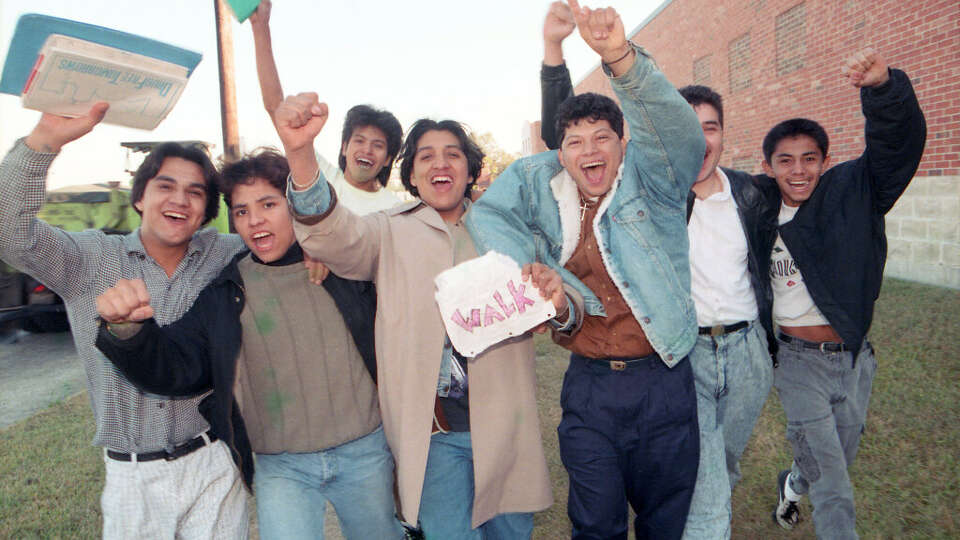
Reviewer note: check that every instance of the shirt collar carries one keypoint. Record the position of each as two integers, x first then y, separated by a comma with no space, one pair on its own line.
200,240
292,256
724,193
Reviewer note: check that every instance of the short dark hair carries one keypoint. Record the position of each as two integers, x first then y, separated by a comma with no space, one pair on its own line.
793,128
364,115
154,160
696,94
264,162
589,105
470,148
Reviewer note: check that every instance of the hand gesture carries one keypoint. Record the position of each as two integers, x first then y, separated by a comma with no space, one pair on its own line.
127,301
261,16
602,30
559,23
866,68
52,131
548,282
316,270
299,120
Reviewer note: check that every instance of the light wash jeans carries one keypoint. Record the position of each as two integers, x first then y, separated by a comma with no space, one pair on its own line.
292,491
825,397
733,374
446,505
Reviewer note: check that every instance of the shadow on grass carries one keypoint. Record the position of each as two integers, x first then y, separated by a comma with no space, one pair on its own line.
907,476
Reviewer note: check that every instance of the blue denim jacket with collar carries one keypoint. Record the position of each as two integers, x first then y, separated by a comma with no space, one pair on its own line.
531,212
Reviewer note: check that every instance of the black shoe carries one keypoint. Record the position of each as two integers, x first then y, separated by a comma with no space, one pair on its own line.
787,514
410,532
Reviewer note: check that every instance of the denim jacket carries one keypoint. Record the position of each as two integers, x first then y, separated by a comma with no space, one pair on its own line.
531,212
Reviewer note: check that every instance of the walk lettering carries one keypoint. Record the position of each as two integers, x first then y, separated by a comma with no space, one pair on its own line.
497,311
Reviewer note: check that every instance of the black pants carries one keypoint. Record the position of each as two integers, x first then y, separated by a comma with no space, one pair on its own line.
629,435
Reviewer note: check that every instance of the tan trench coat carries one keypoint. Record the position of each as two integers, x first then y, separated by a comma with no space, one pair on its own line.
402,251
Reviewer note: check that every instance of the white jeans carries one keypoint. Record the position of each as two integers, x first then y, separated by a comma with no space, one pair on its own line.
200,495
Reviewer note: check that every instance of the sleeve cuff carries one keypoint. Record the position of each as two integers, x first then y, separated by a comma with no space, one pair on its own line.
554,72
569,323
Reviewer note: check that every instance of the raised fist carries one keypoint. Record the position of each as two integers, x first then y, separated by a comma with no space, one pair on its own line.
559,23
127,301
602,30
865,68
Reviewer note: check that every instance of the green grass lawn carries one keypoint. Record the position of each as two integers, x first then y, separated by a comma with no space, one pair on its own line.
907,476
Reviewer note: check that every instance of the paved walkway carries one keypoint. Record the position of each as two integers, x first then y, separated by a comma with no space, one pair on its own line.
36,370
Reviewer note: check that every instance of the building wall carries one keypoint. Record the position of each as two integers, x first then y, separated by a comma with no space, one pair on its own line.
778,59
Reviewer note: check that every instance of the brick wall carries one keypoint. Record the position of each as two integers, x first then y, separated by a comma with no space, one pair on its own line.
778,59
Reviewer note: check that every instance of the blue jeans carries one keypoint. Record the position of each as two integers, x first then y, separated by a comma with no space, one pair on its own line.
733,375
825,397
446,505
292,491
629,435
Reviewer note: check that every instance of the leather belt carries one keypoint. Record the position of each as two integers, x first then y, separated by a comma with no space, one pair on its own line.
825,347
621,364
179,451
719,329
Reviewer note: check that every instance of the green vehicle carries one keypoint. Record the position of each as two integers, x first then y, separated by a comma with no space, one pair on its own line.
25,302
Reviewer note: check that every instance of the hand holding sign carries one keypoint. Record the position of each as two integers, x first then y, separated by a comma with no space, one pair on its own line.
486,300
550,285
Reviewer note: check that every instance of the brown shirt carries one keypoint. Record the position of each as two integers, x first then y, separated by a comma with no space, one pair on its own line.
618,334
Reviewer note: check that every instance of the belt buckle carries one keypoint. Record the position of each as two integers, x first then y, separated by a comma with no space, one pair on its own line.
618,365
717,330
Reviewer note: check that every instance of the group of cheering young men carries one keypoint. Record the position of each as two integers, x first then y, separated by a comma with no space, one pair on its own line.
305,359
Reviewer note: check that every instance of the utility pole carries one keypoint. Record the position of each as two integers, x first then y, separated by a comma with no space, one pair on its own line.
228,86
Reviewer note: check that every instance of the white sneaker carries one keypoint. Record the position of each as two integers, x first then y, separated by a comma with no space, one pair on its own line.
787,514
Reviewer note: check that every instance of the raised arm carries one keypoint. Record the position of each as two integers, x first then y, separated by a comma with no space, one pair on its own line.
270,88
63,262
173,360
664,131
895,130
328,232
555,84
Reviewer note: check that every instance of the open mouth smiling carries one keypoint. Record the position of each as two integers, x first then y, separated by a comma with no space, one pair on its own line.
364,163
593,170
262,240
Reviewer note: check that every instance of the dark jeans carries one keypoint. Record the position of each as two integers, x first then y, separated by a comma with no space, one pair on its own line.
629,435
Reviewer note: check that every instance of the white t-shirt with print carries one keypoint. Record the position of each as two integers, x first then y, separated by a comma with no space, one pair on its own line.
792,304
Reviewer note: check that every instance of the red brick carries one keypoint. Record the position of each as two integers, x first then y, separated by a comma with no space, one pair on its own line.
921,37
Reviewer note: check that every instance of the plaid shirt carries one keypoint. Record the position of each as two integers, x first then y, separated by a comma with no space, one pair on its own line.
79,266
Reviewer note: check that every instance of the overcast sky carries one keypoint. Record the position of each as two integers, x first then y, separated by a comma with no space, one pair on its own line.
477,62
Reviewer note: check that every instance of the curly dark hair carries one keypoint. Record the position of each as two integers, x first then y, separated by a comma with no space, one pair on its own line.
589,105
364,115
264,162
470,148
151,166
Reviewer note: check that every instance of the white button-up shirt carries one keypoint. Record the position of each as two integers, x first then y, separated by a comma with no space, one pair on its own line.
720,280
